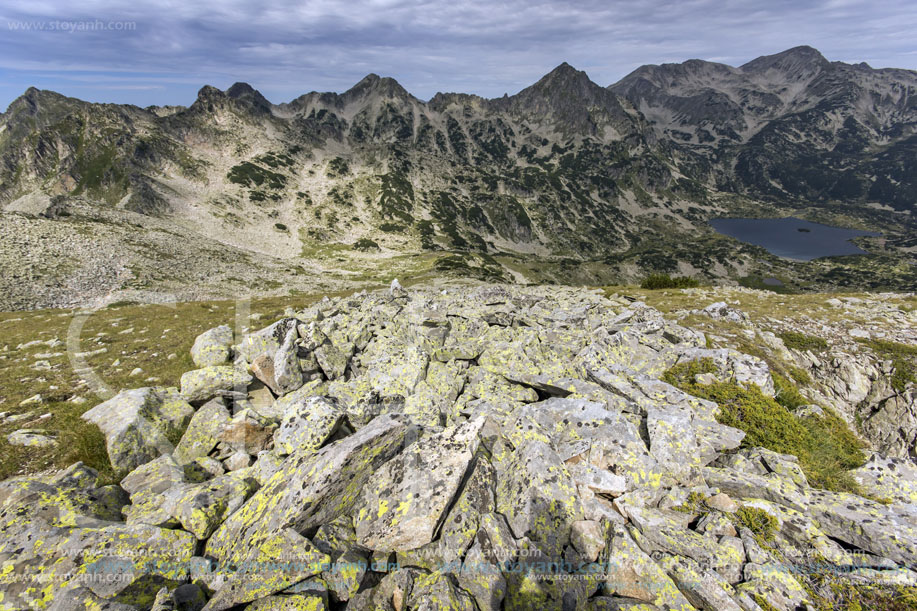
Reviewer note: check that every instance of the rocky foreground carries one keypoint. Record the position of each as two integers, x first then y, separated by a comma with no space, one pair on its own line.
481,448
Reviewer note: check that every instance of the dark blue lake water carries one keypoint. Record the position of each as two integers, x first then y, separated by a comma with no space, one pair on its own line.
793,238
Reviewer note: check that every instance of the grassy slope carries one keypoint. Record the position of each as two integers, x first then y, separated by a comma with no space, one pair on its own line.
154,338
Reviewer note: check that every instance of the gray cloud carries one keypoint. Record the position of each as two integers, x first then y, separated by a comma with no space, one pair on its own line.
286,48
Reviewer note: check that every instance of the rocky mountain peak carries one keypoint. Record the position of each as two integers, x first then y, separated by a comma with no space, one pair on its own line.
241,95
565,80
378,86
798,60
249,95
33,98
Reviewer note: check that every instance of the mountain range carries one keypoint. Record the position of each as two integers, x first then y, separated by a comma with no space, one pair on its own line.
566,180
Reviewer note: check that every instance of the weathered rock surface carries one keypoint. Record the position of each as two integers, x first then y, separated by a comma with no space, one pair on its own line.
137,424
501,448
213,347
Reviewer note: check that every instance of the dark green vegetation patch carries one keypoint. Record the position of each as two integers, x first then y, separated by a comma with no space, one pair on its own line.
825,446
664,281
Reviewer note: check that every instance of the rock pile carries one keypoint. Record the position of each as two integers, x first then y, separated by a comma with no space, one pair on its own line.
488,448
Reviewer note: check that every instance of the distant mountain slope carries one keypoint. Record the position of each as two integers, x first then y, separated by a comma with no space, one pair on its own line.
788,125
566,180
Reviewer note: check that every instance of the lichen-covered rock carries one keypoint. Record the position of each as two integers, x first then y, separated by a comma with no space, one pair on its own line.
137,424
459,528
146,485
82,598
265,341
723,311
200,508
207,382
392,372
31,438
436,592
281,559
212,347
333,359
292,602
402,502
633,574
129,563
309,489
774,584
889,478
346,574
704,589
203,432
869,525
287,371
659,530
64,499
536,493
307,425
772,486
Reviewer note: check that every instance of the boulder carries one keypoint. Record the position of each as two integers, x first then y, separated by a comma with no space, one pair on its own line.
200,508
213,347
283,558
869,525
208,382
307,426
402,503
203,432
31,438
536,493
137,424
631,573
265,341
310,489
287,371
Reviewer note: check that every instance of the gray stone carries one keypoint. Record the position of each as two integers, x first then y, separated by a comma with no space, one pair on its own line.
287,372
402,502
308,490
31,438
207,382
203,432
137,424
212,347
307,426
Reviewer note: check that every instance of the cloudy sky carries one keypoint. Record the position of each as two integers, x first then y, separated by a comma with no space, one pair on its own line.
163,51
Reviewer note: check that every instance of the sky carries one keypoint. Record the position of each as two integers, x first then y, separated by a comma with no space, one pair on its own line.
163,51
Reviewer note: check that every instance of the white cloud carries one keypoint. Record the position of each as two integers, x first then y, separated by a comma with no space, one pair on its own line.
288,47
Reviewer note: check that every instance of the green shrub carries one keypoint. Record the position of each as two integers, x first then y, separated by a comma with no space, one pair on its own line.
664,281
249,174
803,342
682,375
787,394
280,227
762,524
902,358
365,244
692,504
825,446
337,167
